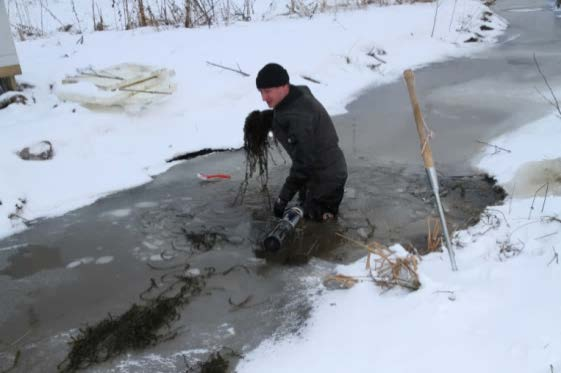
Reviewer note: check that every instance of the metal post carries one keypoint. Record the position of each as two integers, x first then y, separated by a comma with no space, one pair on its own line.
433,181
426,152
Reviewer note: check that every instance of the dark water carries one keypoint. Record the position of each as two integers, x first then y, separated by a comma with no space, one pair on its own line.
74,270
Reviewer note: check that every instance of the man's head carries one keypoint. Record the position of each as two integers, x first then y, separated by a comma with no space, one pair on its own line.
273,83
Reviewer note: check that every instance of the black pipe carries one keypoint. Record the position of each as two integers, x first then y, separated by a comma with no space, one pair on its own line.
283,230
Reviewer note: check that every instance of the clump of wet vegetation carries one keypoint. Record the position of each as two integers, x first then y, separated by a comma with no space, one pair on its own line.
500,193
217,362
15,362
141,326
204,240
257,145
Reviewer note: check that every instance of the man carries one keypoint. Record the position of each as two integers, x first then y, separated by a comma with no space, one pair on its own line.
305,130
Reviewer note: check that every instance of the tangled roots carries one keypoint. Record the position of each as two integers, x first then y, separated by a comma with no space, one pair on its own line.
256,138
256,141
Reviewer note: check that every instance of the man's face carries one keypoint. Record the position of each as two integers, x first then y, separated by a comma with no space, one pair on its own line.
272,96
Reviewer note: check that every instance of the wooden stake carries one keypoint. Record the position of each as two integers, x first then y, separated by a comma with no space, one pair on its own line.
426,151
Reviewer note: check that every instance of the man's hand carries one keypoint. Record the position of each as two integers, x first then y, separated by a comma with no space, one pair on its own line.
279,207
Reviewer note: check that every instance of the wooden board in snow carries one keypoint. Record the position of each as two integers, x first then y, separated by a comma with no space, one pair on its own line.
118,85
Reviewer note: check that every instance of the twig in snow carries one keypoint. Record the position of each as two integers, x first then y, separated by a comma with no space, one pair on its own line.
372,54
545,196
93,14
451,296
497,148
546,235
239,71
453,13
553,218
524,225
76,16
555,257
508,250
534,200
51,14
443,291
511,198
14,216
502,213
340,24
144,91
89,71
556,102
435,16
310,79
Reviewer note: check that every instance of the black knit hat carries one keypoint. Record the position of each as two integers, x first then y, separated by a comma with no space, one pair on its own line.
271,75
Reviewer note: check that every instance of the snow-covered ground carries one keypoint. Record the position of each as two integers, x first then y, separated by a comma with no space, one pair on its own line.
97,152
498,313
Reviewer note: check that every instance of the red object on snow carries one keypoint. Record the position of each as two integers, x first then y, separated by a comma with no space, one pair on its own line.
213,177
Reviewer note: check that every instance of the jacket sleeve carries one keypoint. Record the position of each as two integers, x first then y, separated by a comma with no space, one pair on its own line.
301,138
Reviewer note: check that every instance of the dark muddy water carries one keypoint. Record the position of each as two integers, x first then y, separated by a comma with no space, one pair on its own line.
74,270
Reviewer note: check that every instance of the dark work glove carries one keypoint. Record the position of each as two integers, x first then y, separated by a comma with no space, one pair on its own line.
278,207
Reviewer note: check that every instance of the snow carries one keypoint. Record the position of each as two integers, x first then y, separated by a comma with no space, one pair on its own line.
497,321
98,152
39,148
498,313
508,164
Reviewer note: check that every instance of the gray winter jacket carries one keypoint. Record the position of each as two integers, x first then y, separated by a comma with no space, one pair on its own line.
305,130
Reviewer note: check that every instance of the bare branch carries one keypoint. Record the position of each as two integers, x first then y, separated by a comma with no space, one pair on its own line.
548,86
545,196
549,219
239,71
534,200
310,79
435,16
144,91
511,198
372,54
76,16
502,213
555,257
544,97
51,14
498,148
546,235
453,13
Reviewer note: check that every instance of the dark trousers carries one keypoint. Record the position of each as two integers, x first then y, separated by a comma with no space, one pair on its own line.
317,199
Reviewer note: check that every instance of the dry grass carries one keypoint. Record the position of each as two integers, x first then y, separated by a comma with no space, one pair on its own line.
434,235
389,269
130,14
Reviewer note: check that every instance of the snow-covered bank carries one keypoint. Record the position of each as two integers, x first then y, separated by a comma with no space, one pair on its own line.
527,159
99,152
498,313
